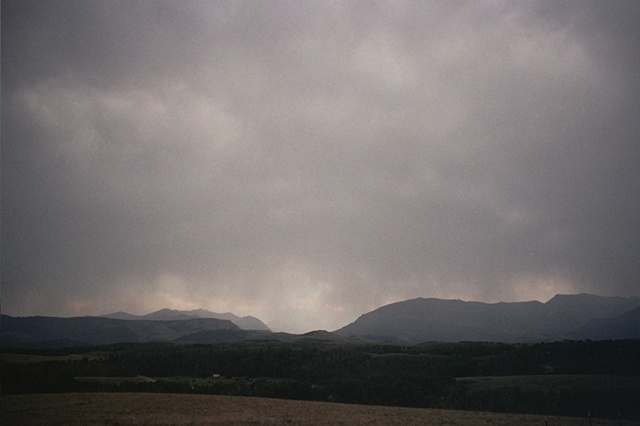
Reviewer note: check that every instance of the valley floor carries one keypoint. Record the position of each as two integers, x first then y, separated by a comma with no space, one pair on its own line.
158,409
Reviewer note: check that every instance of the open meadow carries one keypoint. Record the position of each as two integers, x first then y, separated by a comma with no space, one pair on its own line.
158,409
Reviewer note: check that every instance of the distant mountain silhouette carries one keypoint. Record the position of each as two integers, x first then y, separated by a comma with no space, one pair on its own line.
570,312
413,321
79,331
624,326
245,323
564,316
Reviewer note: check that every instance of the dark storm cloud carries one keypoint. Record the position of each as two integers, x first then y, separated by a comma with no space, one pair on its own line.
307,161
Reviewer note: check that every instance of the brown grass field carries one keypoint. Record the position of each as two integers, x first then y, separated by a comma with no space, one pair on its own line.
171,409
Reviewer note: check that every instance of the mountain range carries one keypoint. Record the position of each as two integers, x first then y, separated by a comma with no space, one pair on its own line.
574,317
581,316
244,323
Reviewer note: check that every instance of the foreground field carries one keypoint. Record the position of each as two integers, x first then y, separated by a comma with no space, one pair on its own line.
570,379
157,409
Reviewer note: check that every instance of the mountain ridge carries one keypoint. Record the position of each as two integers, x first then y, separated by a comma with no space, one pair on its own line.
413,321
81,331
244,323
430,319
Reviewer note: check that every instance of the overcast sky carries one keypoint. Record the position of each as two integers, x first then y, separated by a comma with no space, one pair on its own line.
305,162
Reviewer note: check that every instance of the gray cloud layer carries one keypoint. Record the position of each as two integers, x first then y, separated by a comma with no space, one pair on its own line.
305,162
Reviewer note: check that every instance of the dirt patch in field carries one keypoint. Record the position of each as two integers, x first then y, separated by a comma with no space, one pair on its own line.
165,409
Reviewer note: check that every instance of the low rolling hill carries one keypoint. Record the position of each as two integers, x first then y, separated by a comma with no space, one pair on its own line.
41,331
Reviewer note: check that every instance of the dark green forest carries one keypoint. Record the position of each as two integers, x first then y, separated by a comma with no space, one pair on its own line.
575,378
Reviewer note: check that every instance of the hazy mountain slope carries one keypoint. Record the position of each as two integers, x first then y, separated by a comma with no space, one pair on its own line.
420,320
167,315
121,315
97,330
570,312
625,326
245,323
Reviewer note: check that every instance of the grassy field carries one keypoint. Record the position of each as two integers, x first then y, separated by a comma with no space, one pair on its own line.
158,409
